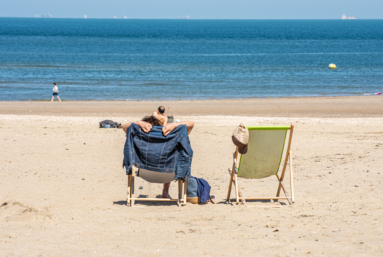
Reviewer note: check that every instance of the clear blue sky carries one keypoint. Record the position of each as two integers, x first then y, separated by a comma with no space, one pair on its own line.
196,9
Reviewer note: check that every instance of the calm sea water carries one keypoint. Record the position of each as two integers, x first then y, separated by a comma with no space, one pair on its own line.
188,59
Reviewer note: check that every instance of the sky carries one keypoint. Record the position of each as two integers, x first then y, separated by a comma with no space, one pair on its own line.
195,9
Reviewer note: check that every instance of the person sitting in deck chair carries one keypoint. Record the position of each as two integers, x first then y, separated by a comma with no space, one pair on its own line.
172,143
160,114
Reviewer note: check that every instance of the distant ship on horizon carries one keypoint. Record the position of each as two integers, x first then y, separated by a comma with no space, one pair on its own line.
184,18
344,17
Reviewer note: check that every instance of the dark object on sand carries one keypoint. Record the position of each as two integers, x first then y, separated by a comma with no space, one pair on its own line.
109,124
198,190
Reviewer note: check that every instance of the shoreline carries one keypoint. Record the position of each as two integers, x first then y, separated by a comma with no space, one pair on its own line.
196,99
321,107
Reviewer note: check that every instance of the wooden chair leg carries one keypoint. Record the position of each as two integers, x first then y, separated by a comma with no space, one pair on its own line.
291,178
132,188
179,193
286,158
129,190
236,189
184,192
284,189
232,174
230,185
280,179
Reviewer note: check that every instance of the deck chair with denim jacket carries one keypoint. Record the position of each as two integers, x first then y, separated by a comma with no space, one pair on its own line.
157,159
263,159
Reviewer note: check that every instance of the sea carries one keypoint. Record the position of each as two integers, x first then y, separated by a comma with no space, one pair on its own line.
133,59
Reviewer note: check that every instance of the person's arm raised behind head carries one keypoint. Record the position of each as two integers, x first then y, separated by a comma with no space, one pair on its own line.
171,126
145,126
126,126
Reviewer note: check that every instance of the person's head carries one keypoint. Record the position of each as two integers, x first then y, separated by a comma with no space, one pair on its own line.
152,120
54,83
161,109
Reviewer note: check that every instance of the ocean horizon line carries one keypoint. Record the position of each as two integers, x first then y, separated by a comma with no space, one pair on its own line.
202,19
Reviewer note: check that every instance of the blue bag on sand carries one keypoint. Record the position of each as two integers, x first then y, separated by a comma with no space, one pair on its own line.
198,190
203,190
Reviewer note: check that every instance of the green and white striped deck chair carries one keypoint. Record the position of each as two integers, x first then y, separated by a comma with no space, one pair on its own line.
263,159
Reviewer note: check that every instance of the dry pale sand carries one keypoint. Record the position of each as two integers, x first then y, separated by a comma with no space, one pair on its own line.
352,106
63,191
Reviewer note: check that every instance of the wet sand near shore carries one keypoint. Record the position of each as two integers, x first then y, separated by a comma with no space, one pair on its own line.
350,106
63,191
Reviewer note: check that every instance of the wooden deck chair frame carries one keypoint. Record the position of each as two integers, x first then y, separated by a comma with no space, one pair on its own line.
288,160
181,200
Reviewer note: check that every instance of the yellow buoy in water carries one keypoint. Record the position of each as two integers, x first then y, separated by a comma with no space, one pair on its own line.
332,66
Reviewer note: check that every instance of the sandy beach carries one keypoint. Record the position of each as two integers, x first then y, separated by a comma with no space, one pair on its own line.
350,106
63,190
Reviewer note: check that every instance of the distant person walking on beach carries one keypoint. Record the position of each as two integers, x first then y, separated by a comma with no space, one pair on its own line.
55,92
160,114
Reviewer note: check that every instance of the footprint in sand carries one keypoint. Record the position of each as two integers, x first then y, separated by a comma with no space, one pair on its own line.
13,211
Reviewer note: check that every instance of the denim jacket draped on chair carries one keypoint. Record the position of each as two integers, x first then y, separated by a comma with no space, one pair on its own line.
153,151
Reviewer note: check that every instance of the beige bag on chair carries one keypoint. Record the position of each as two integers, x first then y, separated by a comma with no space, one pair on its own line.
240,138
